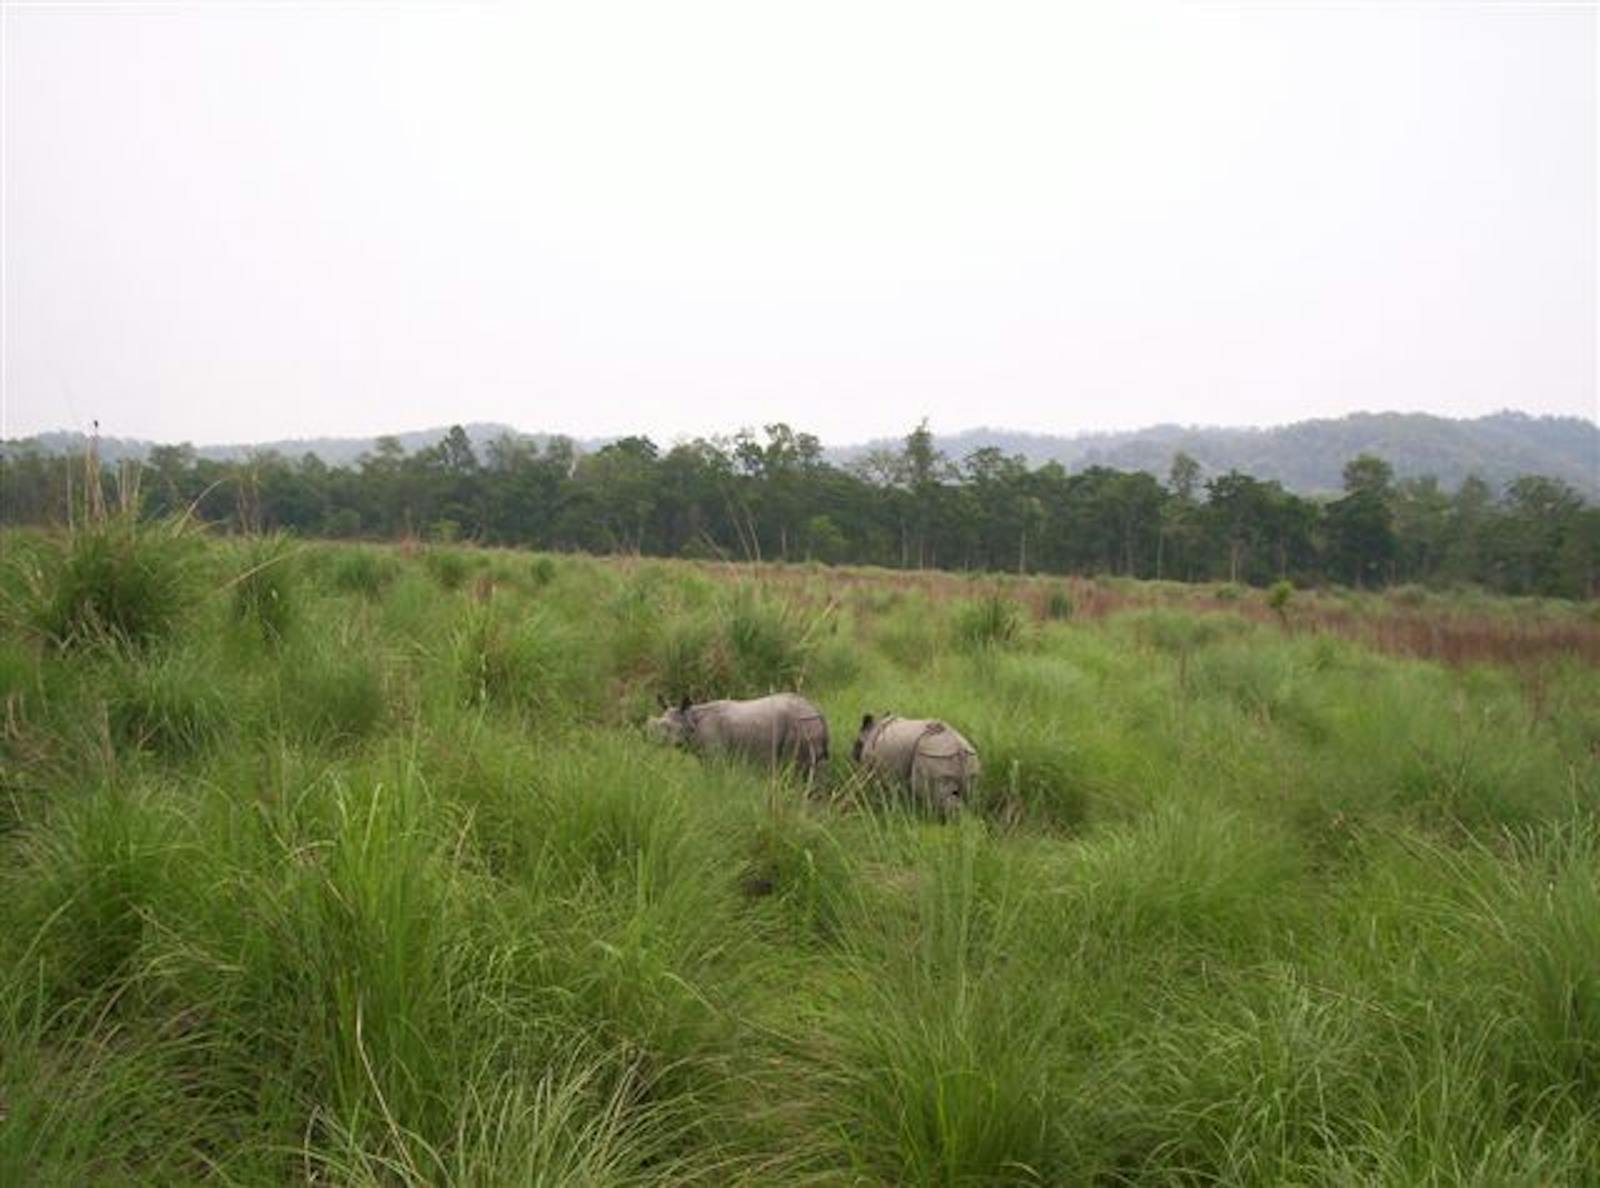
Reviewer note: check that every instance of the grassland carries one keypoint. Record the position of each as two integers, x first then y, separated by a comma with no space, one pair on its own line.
350,865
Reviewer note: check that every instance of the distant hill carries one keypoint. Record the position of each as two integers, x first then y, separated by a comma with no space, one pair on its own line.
335,451
1307,456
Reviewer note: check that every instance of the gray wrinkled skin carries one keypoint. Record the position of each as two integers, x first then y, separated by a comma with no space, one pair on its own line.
924,754
777,730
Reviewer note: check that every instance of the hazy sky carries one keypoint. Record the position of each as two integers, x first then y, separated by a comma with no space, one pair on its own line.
243,221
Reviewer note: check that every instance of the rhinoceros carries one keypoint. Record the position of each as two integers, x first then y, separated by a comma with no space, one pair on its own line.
779,729
924,754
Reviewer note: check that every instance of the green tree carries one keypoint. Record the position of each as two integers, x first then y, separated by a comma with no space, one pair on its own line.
1360,527
926,469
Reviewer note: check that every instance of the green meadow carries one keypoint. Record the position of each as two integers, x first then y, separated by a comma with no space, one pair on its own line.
351,865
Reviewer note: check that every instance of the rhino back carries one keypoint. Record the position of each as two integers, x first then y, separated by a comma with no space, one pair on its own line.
890,748
945,766
767,727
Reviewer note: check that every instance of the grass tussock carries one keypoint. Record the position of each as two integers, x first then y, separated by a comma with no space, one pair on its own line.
121,582
994,621
265,592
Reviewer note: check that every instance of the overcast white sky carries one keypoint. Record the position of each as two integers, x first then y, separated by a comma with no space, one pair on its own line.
239,222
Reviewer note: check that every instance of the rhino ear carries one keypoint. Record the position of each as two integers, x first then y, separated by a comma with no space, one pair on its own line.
866,721
683,706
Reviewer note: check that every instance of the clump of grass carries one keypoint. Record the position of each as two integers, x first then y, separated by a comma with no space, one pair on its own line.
907,632
1058,605
691,661
541,572
767,643
637,609
795,861
121,581
1409,595
1255,1084
264,592
447,567
170,706
331,700
835,660
1188,875
994,621
79,889
1023,771
363,571
1177,633
934,1029
534,664
582,1120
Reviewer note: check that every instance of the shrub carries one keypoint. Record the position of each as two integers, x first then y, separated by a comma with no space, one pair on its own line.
1058,605
1279,597
342,524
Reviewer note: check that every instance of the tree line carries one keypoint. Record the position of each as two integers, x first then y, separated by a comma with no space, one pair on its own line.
773,496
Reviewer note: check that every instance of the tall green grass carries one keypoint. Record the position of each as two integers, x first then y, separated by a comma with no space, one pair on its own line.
375,880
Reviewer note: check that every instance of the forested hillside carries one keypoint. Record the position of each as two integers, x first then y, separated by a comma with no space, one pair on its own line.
775,496
1307,457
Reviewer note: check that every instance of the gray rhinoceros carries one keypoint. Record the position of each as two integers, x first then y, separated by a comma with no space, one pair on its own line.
777,730
924,754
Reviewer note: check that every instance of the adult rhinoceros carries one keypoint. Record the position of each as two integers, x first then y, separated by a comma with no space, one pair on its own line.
780,729
924,754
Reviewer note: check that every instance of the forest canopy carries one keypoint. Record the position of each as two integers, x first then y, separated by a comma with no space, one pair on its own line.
773,495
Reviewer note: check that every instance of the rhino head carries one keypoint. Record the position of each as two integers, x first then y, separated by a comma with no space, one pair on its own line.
672,727
867,721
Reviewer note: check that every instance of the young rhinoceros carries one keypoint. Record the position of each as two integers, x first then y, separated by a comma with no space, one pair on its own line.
780,729
932,759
